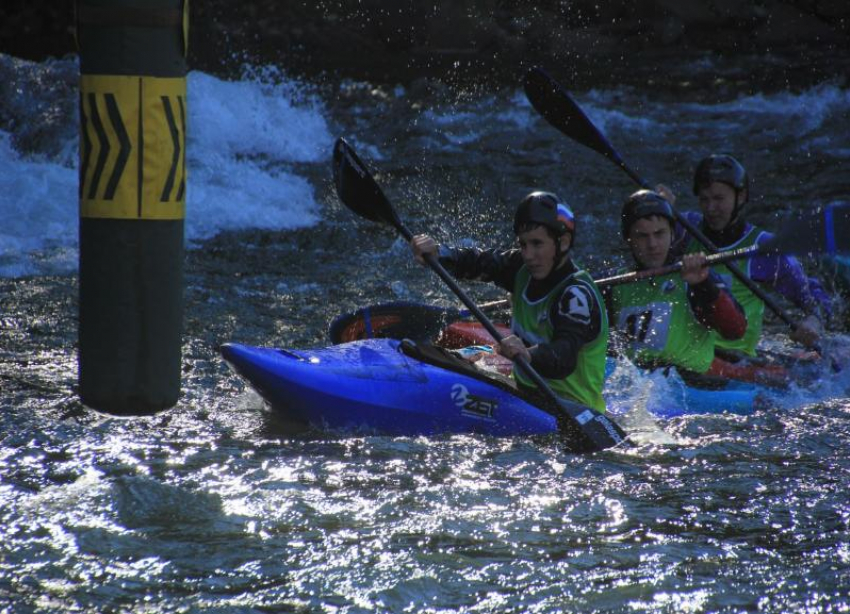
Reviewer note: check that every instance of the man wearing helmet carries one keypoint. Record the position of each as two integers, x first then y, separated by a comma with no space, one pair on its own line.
668,320
559,324
721,185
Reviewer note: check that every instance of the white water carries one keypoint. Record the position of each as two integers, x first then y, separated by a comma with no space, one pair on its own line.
214,506
249,141
244,140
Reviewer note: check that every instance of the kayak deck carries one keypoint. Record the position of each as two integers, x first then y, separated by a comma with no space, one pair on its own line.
374,385
371,385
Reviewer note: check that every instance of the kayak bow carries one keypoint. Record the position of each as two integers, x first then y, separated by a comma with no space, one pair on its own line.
393,387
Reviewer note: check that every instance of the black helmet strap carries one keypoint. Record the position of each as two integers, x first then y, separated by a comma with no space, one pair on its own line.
561,254
739,204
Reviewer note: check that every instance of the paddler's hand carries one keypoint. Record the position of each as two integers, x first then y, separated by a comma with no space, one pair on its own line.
511,347
694,270
808,331
667,193
421,245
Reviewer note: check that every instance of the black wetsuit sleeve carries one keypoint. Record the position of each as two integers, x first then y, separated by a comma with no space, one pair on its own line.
577,320
495,266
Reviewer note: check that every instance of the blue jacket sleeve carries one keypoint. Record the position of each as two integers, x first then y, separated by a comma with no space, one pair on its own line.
785,274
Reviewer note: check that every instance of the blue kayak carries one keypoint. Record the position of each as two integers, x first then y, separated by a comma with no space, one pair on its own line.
395,387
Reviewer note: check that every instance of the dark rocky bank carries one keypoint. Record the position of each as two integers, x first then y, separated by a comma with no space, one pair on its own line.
387,41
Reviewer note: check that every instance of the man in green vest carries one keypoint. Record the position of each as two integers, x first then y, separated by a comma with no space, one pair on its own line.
721,185
668,320
559,324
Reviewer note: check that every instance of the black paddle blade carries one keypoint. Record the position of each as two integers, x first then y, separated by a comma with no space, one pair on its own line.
397,320
358,190
811,233
558,108
360,193
586,430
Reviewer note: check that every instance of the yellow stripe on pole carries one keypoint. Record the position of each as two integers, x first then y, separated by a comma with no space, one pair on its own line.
133,147
164,141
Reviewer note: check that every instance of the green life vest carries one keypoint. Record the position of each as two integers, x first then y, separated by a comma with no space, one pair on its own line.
658,321
532,324
753,306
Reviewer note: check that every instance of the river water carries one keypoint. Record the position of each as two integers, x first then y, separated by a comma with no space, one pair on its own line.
217,505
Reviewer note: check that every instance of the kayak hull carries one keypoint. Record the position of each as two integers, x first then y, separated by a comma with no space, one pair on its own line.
371,386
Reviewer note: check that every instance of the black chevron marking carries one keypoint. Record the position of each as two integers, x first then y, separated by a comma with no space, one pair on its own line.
182,189
86,153
175,156
123,139
104,145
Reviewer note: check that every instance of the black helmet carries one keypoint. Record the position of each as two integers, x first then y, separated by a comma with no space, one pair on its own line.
645,203
546,209
722,168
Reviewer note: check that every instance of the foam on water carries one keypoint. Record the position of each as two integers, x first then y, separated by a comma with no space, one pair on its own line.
250,141
470,123
38,213
244,140
248,134
802,113
806,111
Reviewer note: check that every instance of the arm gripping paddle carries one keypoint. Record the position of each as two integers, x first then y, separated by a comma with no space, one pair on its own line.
586,429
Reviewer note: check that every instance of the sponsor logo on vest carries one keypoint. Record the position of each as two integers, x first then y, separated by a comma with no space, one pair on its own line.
575,304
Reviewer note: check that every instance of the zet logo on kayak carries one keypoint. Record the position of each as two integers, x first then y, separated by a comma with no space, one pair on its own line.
472,405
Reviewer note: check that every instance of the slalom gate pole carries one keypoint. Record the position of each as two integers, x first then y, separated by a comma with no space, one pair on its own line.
133,117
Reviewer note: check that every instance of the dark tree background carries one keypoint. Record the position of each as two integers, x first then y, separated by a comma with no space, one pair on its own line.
401,40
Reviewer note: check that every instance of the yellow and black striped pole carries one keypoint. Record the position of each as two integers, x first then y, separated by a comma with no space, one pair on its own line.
133,118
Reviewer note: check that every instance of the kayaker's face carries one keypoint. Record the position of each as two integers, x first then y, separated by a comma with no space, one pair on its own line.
717,202
649,239
538,250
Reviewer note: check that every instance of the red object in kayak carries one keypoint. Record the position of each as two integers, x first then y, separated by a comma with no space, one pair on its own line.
462,334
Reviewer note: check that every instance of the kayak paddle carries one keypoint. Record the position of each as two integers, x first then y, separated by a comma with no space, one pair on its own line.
557,107
586,429
813,232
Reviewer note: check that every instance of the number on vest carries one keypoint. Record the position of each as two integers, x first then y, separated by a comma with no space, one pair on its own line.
647,326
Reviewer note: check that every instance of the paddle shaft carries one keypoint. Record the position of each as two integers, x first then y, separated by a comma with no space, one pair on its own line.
584,415
720,257
778,244
560,109
738,273
588,428
627,278
707,243
496,305
432,261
